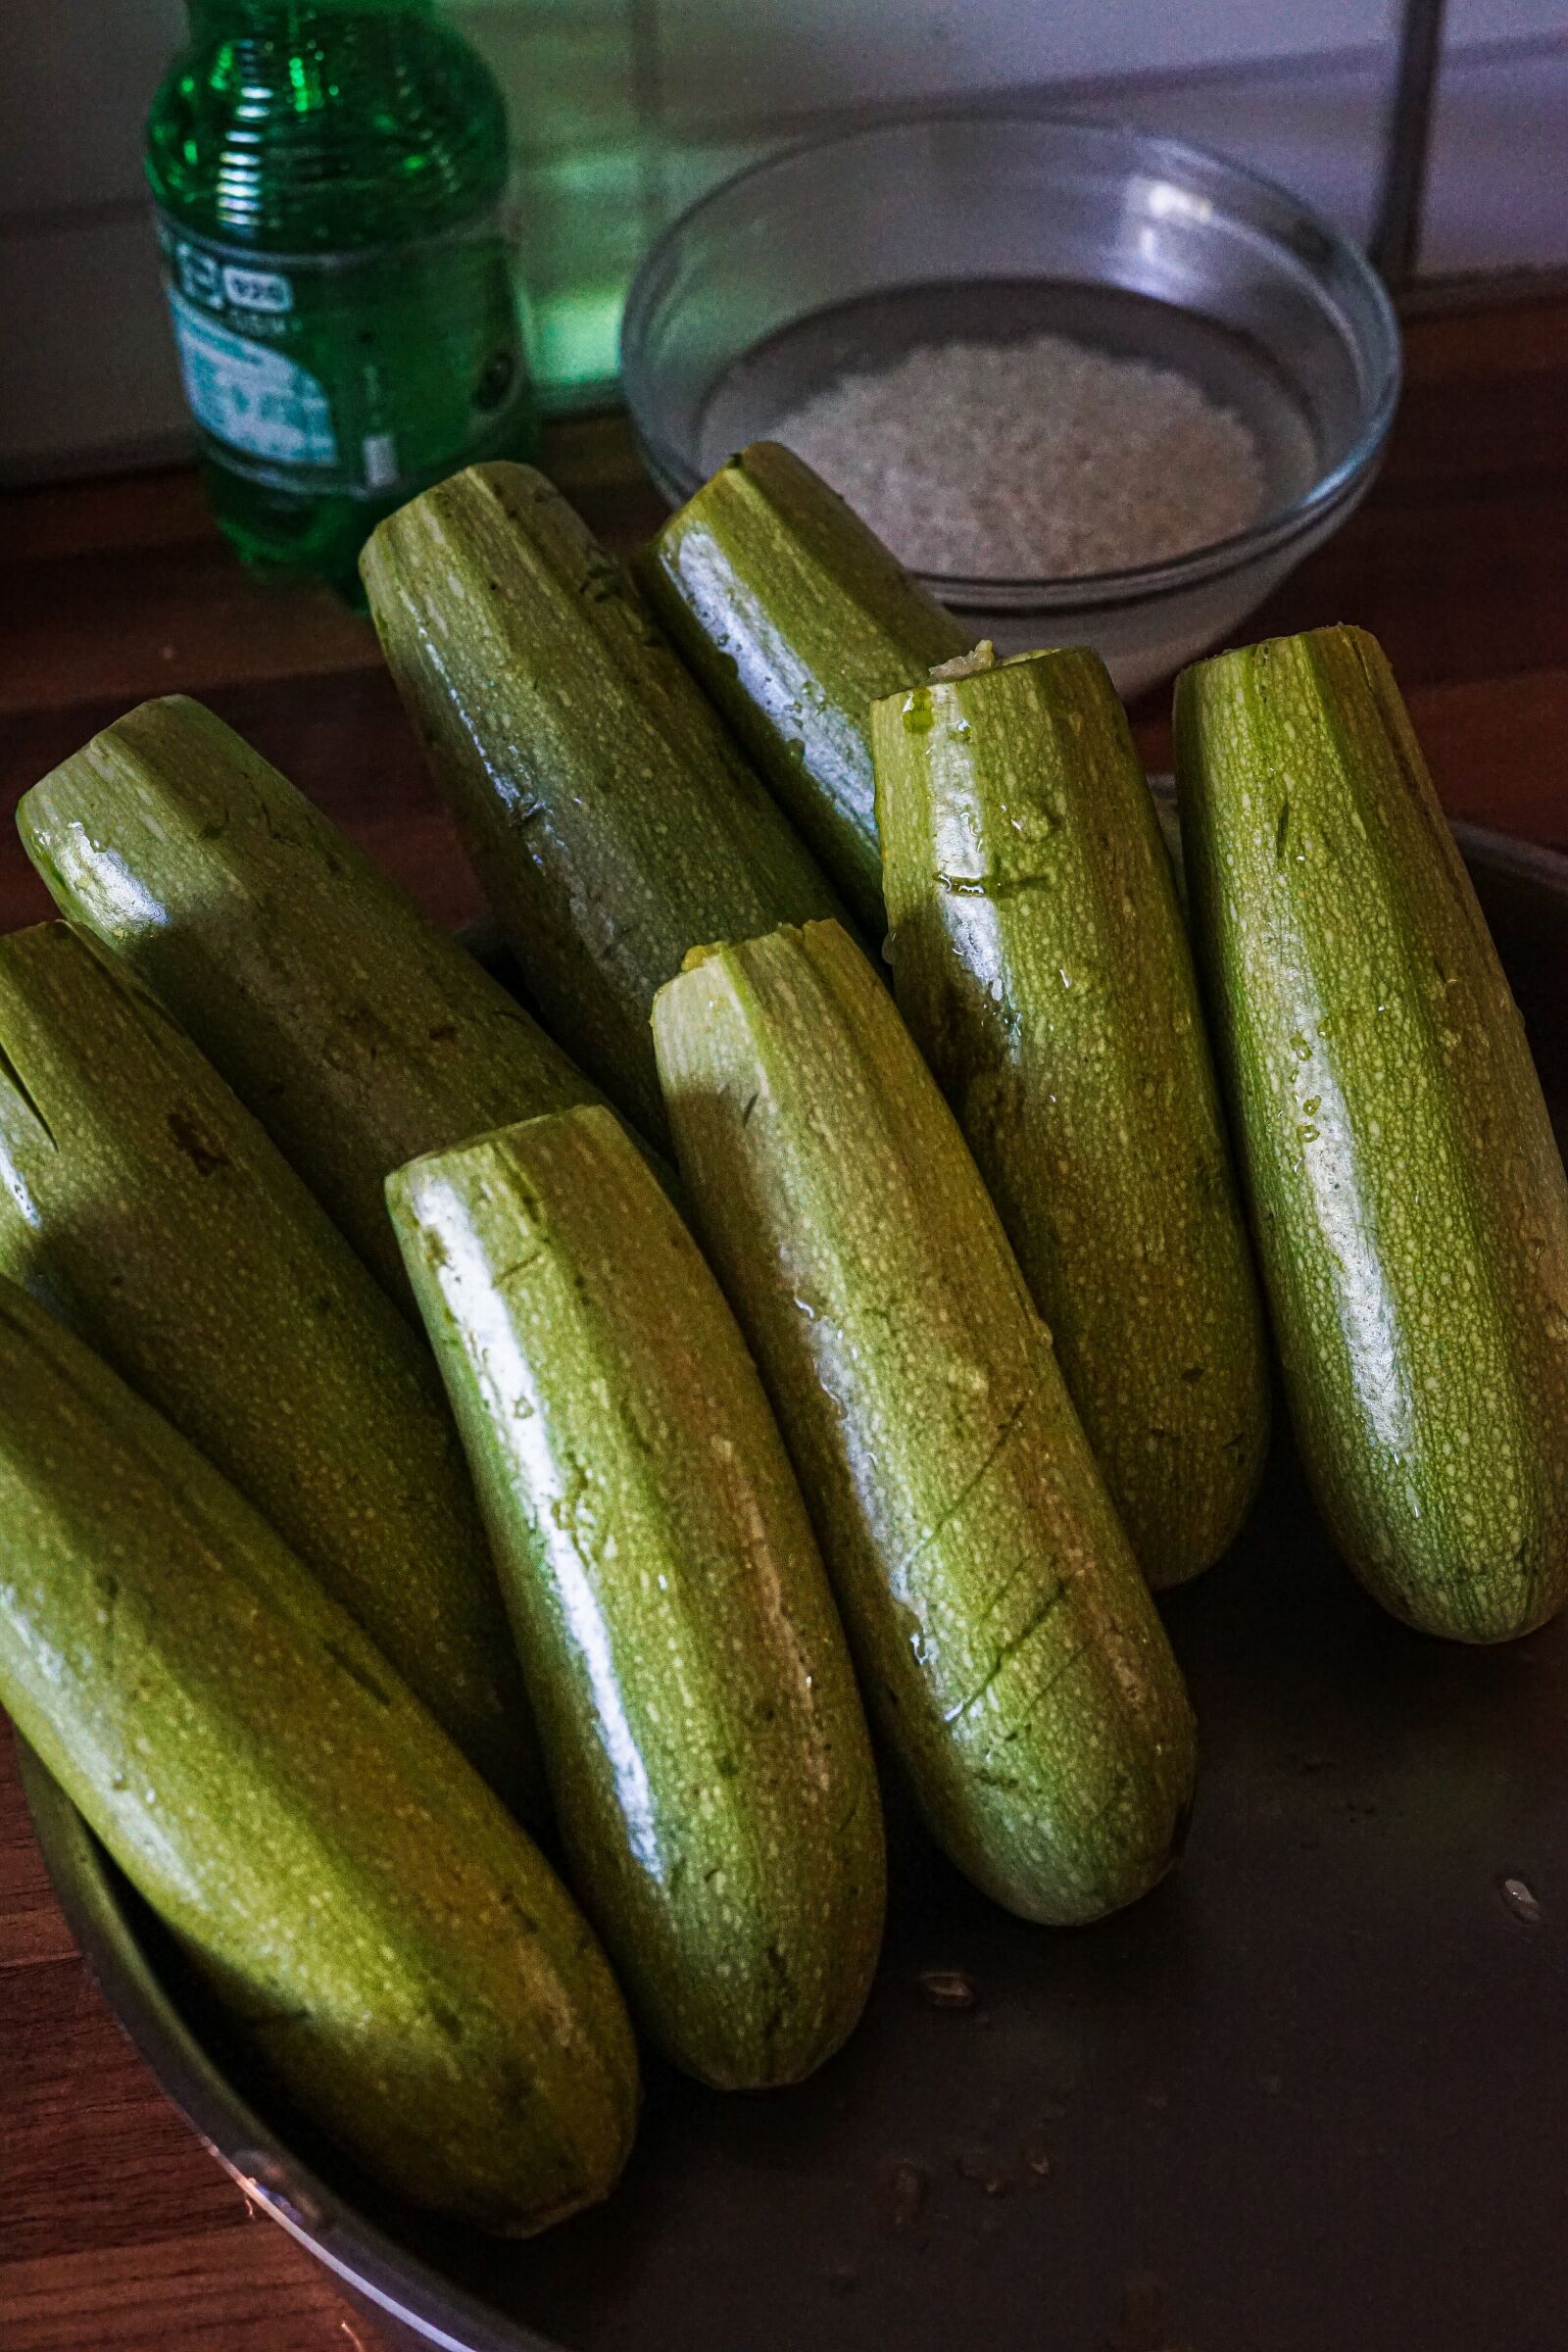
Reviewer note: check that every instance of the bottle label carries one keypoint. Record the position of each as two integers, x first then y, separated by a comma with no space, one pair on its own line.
249,397
366,374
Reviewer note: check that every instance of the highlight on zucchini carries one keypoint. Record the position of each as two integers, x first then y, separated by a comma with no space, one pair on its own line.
1006,1643
610,816
1407,1194
1040,958
140,1200
708,1758
797,618
358,1031
383,1936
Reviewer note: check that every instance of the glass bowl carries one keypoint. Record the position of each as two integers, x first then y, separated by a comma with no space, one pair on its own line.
990,224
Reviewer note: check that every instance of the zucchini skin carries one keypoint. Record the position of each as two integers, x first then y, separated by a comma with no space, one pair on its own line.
796,618
357,1031
709,1762
610,817
1407,1194
1004,1638
141,1202
1039,959
389,1942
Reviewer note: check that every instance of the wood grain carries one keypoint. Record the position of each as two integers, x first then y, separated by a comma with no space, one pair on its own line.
227,2289
118,2234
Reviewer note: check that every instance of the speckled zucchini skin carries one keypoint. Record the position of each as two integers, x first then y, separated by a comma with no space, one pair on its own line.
1039,961
139,1199
1409,1198
796,618
358,1031
387,1939
610,816
708,1758
1002,1632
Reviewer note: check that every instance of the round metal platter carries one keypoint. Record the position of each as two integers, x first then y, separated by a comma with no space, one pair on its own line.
1308,2097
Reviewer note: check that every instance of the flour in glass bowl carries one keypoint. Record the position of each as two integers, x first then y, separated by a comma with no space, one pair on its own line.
1033,460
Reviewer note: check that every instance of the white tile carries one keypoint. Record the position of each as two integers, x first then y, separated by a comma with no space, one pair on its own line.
1497,180
89,380
77,76
569,87
735,61
1469,22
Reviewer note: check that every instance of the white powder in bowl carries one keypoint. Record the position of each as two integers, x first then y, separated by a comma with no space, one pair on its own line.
1035,459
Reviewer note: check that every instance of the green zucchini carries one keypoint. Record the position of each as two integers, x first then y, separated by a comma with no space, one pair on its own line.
140,1200
391,1944
1039,961
1407,1196
357,1031
707,1759
610,817
796,618
1004,1634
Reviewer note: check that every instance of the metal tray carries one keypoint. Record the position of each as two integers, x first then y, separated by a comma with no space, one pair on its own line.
1308,2097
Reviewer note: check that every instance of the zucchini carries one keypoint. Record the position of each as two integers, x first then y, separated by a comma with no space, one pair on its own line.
387,1940
610,817
358,1031
142,1201
1038,958
707,1754
796,618
1004,1634
1408,1199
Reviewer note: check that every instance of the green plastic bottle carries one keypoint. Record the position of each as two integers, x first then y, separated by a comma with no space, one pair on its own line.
331,183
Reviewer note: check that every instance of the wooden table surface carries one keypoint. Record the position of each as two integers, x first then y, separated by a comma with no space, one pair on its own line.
118,2234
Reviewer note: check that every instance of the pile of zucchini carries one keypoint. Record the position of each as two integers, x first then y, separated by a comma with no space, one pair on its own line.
423,1418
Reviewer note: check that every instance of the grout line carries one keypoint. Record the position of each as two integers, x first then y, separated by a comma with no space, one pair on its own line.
1394,245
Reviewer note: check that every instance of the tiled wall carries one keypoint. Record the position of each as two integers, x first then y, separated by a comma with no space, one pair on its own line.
625,109
88,370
